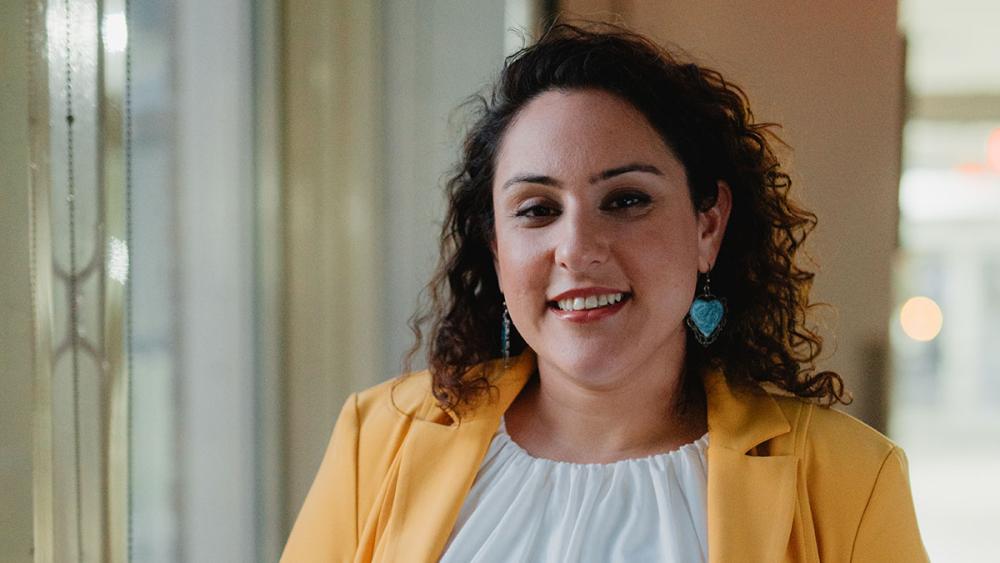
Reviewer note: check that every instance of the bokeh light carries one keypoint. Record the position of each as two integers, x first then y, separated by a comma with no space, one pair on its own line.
921,318
993,150
115,32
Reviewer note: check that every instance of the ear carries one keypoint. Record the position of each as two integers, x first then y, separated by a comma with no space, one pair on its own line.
712,227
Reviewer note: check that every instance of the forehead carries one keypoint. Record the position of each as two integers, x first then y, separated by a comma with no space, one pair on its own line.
578,131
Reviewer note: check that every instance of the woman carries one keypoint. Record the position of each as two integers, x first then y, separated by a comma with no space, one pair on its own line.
618,288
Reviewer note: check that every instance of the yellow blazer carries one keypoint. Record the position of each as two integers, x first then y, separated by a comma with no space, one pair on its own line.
787,480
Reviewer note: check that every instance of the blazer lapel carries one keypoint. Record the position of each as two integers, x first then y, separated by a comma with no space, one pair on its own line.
438,464
751,499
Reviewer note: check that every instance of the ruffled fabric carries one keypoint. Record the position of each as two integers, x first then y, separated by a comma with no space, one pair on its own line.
523,508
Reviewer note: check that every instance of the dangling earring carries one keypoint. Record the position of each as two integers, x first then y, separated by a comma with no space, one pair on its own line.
707,315
505,335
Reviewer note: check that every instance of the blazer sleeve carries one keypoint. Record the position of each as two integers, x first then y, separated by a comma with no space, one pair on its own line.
327,526
888,528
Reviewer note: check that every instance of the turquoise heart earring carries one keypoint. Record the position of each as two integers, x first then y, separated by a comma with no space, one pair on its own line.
707,315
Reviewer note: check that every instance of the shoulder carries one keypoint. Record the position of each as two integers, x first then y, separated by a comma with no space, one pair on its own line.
844,464
854,485
834,439
411,396
401,398
408,394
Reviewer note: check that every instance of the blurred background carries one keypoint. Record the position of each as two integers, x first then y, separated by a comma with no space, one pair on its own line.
217,218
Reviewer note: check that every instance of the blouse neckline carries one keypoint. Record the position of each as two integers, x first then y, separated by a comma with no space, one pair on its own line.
658,458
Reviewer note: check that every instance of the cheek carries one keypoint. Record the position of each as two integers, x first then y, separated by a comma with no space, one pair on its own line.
663,259
521,265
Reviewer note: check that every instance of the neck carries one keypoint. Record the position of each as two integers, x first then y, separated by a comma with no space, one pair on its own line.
569,417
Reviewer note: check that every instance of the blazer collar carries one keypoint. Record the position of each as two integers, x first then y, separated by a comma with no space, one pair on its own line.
739,419
507,381
750,498
438,463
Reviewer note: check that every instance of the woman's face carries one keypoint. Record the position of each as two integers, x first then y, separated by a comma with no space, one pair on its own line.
598,244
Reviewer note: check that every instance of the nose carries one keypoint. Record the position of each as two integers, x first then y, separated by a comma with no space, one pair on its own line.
583,244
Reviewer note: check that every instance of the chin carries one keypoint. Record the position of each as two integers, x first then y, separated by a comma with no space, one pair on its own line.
596,366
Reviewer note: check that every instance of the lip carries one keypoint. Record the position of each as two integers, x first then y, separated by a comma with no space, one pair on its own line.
588,315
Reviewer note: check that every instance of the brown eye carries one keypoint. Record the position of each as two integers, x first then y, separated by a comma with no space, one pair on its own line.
532,211
627,200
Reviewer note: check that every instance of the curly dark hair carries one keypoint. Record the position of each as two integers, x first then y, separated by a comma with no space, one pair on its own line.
708,124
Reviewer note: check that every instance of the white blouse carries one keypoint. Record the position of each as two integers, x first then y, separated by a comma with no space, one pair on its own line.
523,508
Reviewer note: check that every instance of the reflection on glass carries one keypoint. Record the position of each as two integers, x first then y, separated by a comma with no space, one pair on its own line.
118,260
115,32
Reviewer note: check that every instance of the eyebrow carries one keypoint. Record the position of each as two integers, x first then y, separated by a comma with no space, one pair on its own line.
601,176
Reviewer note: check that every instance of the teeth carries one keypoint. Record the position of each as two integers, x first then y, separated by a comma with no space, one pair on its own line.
592,302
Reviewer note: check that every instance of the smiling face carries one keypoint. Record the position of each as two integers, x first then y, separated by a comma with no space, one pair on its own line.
597,242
